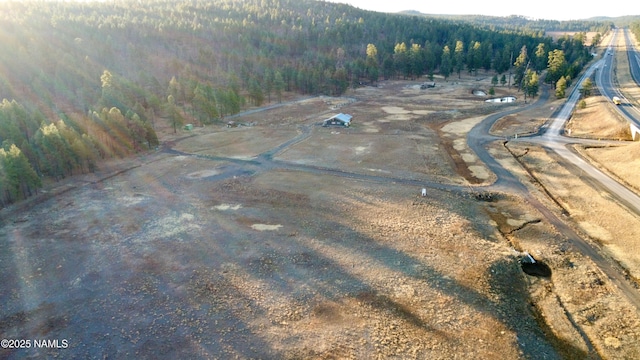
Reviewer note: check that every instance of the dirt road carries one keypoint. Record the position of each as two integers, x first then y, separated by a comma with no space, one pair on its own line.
288,240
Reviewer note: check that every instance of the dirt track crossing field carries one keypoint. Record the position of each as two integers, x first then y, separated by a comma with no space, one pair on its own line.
229,244
259,268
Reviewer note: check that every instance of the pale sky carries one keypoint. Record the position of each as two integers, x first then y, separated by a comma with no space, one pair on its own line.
539,9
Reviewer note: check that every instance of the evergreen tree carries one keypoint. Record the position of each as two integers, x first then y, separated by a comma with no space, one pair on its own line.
541,57
582,104
268,80
372,67
19,180
520,67
204,104
474,57
494,80
557,66
531,84
446,63
173,114
587,88
340,81
150,136
255,92
137,132
53,152
278,85
388,67
561,87
174,89
4,186
108,89
458,57
401,59
416,62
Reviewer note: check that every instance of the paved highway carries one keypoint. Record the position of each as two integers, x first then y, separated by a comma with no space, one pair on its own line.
553,139
634,58
606,73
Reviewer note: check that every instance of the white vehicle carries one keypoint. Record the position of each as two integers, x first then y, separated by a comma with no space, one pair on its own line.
616,100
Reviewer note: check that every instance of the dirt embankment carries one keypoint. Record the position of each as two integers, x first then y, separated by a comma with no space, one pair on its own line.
598,120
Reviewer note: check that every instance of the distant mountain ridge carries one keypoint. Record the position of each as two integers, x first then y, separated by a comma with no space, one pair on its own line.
594,23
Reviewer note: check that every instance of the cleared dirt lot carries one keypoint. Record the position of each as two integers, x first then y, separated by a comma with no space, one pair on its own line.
238,243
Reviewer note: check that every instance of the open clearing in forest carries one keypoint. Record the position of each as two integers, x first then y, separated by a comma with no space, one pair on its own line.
213,250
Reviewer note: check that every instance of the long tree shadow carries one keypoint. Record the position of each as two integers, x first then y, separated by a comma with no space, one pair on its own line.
134,290
513,281
323,267
317,263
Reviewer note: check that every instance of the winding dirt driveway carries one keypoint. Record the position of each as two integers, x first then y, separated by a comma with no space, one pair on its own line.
478,138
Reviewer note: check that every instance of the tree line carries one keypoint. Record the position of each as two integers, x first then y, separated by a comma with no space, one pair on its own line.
537,27
86,81
635,29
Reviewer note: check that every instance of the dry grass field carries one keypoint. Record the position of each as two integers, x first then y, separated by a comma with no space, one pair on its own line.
598,120
286,240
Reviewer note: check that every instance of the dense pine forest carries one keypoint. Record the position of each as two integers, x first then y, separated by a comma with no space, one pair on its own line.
635,29
88,81
526,25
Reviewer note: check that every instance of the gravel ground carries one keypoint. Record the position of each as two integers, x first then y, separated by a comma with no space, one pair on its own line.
200,257
154,264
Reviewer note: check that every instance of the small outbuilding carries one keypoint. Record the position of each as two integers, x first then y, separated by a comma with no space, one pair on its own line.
427,85
338,120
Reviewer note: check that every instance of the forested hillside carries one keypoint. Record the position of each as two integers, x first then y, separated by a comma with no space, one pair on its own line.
524,24
621,22
635,28
87,81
